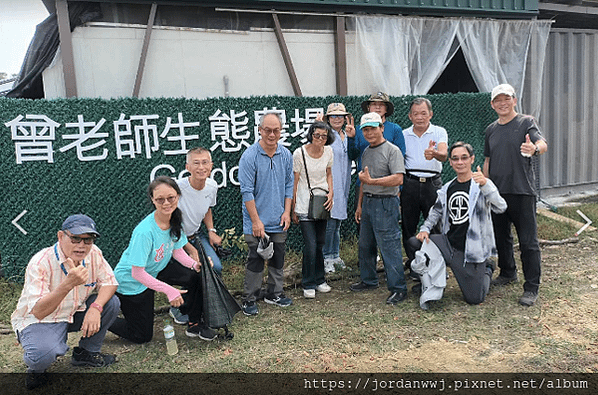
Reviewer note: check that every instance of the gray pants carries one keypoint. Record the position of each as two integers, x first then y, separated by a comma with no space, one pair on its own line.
473,278
44,342
255,267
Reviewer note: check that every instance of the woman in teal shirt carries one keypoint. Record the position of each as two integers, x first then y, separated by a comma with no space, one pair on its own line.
146,267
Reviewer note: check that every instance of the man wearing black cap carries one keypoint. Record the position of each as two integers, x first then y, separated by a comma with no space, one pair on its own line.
58,297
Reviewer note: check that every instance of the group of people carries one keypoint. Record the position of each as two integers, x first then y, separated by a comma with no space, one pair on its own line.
70,286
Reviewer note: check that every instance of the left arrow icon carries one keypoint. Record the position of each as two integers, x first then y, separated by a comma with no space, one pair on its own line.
18,217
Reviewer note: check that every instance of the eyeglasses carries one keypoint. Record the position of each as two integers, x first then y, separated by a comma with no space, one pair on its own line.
336,116
320,136
460,158
79,239
270,131
170,199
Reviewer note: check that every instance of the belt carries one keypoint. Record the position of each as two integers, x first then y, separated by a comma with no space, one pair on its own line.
422,179
373,196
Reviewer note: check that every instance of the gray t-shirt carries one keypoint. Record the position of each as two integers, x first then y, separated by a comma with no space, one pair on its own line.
509,170
382,160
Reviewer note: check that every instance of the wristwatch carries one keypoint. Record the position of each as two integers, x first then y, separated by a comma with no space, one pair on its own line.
537,152
212,230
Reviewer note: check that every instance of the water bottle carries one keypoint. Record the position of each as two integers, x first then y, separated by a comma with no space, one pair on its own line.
171,346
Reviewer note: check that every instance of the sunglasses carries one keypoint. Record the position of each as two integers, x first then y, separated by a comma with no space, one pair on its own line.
170,199
79,239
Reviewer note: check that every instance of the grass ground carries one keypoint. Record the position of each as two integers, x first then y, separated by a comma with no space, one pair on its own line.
347,332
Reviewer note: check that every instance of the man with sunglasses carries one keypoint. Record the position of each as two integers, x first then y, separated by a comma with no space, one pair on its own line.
58,297
463,212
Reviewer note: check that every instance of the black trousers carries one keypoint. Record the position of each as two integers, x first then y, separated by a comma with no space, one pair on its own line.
138,324
416,198
521,212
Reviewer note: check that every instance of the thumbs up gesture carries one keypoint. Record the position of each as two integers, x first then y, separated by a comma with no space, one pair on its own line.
528,148
431,150
77,275
364,176
478,177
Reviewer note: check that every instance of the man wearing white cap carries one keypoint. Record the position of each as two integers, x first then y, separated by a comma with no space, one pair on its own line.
58,297
378,211
510,143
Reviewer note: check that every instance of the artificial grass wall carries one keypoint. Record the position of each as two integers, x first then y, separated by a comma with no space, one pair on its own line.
104,170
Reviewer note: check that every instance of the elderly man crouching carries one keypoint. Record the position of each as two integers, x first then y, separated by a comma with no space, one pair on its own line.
58,298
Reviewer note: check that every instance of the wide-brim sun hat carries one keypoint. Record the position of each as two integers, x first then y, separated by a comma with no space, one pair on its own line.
380,96
335,109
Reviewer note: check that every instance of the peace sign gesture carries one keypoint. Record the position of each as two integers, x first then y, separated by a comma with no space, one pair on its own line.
350,127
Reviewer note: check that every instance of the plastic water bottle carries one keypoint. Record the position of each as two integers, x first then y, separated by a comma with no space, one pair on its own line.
171,346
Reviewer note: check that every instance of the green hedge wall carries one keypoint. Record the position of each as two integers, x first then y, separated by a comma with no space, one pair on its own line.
113,190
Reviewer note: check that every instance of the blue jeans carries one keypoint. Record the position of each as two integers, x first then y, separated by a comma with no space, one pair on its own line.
314,235
333,239
205,242
379,227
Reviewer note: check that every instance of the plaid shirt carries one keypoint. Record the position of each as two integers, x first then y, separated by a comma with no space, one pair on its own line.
44,274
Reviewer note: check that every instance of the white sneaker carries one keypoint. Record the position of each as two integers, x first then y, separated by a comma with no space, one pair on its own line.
323,288
309,293
329,266
340,264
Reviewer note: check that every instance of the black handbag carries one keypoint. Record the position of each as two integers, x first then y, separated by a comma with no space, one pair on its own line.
316,208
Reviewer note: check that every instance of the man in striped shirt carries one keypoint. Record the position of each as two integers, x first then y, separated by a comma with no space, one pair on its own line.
58,297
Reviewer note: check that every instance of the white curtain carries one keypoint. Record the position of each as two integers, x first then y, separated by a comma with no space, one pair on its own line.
406,55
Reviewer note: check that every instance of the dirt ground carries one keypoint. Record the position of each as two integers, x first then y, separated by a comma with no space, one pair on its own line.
558,334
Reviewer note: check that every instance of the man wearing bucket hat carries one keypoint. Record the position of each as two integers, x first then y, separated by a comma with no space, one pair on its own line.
266,179
58,297
510,143
378,211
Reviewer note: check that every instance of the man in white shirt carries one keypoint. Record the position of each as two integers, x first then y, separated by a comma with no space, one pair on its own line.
426,149
198,196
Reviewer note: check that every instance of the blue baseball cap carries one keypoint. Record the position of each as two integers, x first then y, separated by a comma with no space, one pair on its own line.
79,224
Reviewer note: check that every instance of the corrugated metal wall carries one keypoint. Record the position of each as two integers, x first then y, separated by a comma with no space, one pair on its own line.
569,116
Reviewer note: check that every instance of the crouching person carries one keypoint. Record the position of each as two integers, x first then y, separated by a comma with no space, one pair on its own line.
462,209
58,297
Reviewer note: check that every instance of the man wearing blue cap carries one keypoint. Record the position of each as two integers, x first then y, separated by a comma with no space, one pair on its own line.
58,297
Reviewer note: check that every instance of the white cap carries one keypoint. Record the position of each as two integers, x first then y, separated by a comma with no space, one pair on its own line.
502,89
371,119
